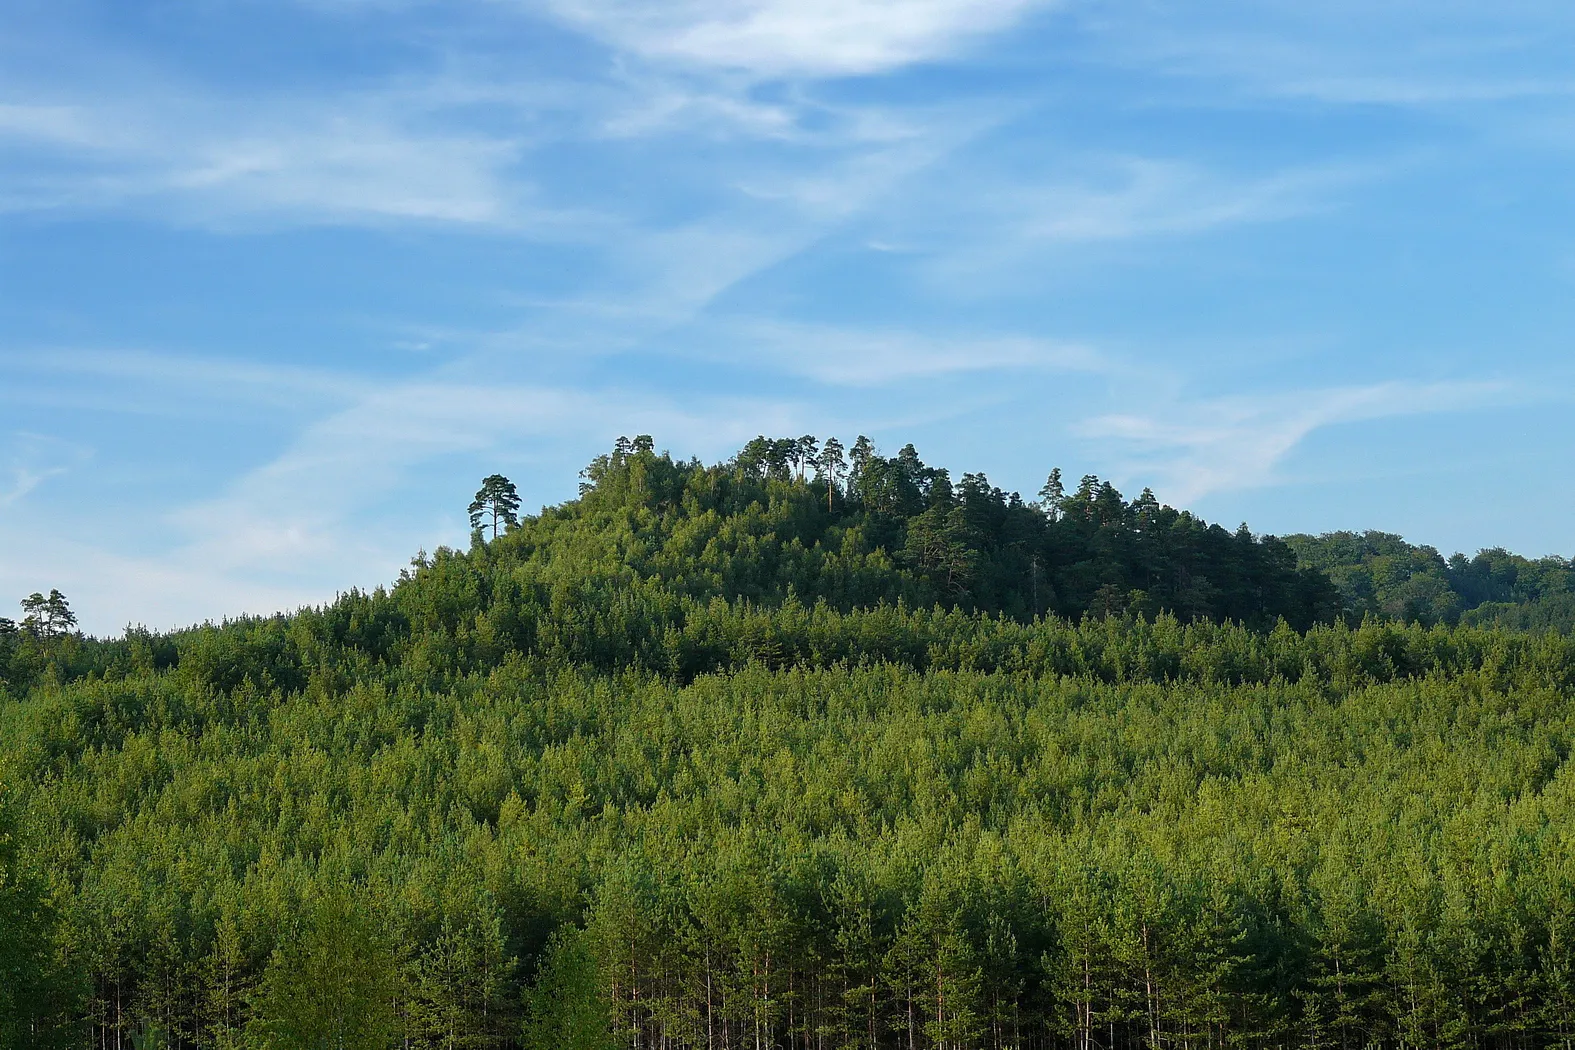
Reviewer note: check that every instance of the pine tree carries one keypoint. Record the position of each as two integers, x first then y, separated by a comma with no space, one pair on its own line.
332,985
47,618
498,498
831,466
566,1008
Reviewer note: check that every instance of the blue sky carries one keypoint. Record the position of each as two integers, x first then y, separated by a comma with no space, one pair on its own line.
279,282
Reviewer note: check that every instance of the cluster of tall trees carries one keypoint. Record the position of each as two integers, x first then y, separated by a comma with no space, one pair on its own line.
812,750
799,515
44,644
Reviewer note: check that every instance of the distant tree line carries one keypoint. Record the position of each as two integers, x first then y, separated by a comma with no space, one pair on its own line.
1380,574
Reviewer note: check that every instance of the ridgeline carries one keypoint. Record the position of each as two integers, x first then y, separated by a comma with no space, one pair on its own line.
805,751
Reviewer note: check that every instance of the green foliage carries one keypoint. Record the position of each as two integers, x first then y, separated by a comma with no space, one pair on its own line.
331,984
33,990
810,749
1380,574
566,1007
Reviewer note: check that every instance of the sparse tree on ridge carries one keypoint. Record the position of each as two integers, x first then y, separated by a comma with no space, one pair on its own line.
805,453
49,617
860,456
498,499
831,466
1053,495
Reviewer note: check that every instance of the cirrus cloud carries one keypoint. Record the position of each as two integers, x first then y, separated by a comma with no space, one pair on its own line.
786,38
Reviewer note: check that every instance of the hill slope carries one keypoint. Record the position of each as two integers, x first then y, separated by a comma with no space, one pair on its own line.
695,761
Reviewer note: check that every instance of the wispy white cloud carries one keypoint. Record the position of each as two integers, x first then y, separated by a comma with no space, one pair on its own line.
1145,197
31,459
987,241
53,124
787,38
171,385
214,377
655,105
1237,442
308,166
347,168
1090,199
873,357
658,273
1345,52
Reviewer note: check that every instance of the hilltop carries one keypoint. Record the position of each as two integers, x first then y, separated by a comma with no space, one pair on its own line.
636,564
631,572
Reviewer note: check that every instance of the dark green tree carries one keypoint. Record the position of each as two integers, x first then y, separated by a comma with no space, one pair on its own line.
498,498
831,466
806,451
47,618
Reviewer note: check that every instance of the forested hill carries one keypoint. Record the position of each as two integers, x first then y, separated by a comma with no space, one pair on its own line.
1380,574
627,574
793,517
798,752
630,573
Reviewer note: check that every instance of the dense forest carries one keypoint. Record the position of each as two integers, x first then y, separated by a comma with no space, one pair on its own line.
809,751
1380,574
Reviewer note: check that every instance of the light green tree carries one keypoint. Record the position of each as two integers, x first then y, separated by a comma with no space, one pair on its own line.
565,1009
332,986
30,985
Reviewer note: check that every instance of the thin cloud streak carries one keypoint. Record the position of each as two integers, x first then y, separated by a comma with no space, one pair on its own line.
871,357
1088,200
32,459
225,380
1238,442
202,158
298,507
1346,53
1148,197
792,38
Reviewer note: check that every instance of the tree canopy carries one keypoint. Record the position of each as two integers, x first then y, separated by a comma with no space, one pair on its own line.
781,753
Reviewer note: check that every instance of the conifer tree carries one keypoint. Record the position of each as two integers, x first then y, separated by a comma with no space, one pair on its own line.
831,466
498,498
332,984
47,618
566,1008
